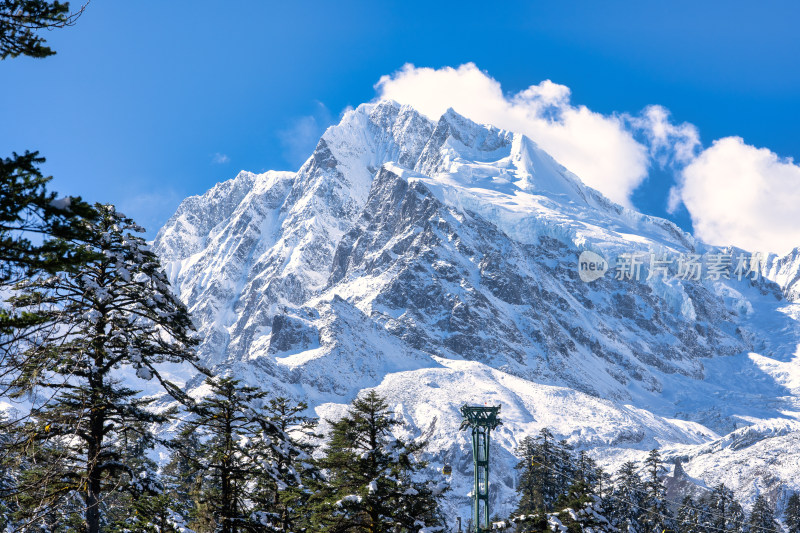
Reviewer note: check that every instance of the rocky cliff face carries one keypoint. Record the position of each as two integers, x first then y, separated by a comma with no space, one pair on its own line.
438,262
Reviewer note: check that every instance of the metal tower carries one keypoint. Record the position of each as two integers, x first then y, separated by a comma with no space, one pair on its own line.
482,420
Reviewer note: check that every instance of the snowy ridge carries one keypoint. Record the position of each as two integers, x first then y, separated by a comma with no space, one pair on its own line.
437,262
785,271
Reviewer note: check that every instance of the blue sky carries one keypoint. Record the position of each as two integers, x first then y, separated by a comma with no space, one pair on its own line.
148,102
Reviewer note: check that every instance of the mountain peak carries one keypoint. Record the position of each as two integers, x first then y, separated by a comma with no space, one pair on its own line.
437,262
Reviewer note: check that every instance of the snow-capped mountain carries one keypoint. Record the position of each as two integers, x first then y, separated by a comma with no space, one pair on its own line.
438,263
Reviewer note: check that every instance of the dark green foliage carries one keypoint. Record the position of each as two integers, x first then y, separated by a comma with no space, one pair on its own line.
633,503
603,489
585,516
584,483
628,498
533,523
529,485
37,233
223,463
28,209
688,518
541,480
554,480
762,517
564,471
143,507
371,484
792,513
181,478
21,20
9,472
114,311
285,492
724,512
581,496
240,467
657,514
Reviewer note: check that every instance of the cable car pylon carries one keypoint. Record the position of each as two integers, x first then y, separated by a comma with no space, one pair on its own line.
481,420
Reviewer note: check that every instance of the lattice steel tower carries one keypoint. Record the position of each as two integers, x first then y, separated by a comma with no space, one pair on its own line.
482,420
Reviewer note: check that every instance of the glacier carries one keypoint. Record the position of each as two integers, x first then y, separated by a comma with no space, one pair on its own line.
436,262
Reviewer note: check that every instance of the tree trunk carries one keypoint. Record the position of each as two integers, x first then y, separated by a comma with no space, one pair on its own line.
93,481
96,426
227,489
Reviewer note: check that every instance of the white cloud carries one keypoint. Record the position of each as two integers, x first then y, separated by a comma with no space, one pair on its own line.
598,148
220,159
742,195
735,194
669,144
302,135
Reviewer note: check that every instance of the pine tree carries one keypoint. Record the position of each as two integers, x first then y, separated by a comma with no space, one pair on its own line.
762,518
583,497
181,478
37,231
792,513
225,461
138,508
582,490
541,480
147,506
604,490
285,489
587,472
724,512
29,214
238,466
533,478
113,312
528,486
26,209
563,464
9,474
705,517
21,19
372,484
628,499
545,468
657,516
688,519
584,516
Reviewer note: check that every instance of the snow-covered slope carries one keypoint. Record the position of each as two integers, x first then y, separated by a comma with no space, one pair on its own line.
438,263
785,271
